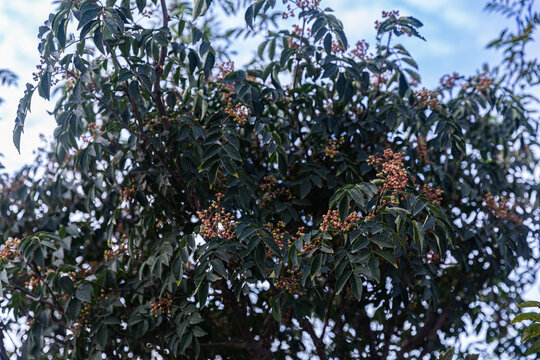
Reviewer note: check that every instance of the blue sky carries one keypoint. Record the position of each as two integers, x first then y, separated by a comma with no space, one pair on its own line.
456,32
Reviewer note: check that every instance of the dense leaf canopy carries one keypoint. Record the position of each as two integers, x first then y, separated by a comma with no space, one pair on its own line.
317,202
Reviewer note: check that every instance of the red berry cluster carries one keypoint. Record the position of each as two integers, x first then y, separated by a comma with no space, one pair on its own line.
331,150
434,195
10,250
313,244
332,221
216,222
164,304
360,52
421,150
392,172
449,81
225,68
426,98
500,209
302,5
239,113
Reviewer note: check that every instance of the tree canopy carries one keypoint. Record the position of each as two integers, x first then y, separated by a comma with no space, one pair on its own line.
317,202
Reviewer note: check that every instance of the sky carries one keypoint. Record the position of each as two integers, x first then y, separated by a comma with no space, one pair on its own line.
456,33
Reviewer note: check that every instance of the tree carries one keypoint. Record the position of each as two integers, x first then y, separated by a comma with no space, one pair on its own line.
316,203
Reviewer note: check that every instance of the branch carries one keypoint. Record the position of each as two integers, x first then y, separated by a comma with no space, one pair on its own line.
159,72
319,344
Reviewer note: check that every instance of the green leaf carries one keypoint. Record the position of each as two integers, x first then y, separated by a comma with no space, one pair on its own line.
527,304
101,335
342,280
202,293
530,332
316,265
84,292
356,287
533,316
387,256
417,236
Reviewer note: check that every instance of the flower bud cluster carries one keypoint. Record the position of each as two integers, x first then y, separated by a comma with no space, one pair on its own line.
128,193
10,250
449,81
387,14
434,195
216,222
421,150
239,113
271,190
432,257
500,209
225,68
360,52
332,221
82,320
33,282
95,131
426,98
483,83
120,248
303,5
290,282
331,150
164,304
313,244
392,172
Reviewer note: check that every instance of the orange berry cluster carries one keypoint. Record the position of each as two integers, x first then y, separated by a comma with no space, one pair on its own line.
500,209
449,81
421,150
225,68
164,304
10,250
302,5
360,52
434,195
239,113
331,150
298,32
426,98
393,171
216,222
290,282
332,221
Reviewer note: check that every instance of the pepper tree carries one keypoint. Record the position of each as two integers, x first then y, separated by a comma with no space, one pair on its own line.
316,202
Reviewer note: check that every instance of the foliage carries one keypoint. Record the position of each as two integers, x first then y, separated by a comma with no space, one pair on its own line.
7,78
532,331
315,203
